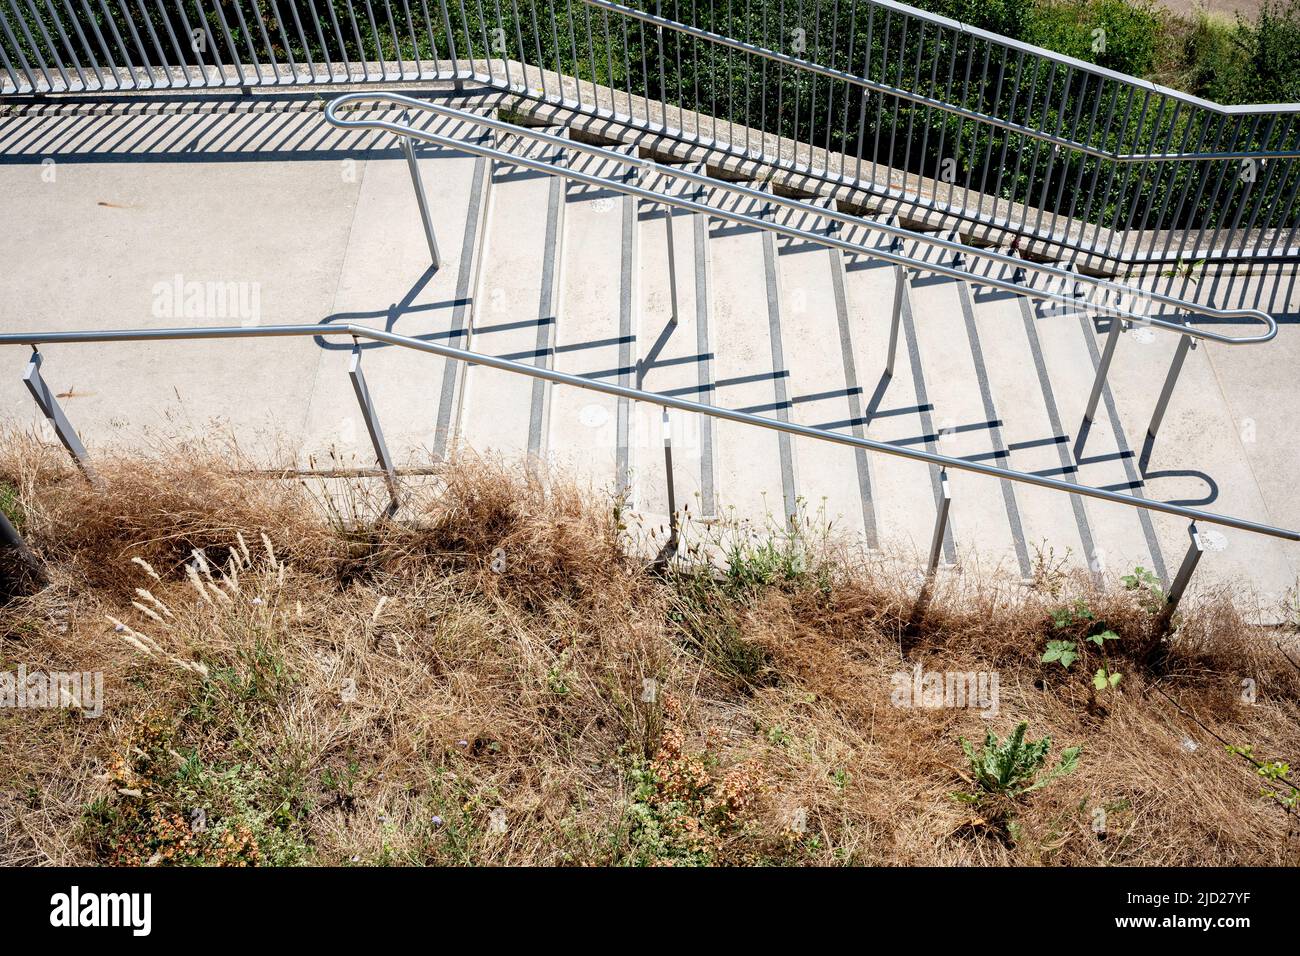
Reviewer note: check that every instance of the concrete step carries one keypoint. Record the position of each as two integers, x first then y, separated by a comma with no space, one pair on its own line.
1034,439
822,383
596,334
518,308
755,468
985,513
675,353
895,408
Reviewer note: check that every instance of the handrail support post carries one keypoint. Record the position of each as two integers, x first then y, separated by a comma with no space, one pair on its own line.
896,317
1098,385
1179,586
49,405
382,456
672,263
672,486
940,524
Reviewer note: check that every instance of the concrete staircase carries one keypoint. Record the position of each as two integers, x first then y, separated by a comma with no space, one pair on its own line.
576,278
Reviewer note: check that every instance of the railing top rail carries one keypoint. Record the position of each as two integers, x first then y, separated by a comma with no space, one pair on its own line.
1020,46
1056,273
974,115
357,332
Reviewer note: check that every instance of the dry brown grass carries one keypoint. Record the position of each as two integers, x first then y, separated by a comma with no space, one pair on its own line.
385,695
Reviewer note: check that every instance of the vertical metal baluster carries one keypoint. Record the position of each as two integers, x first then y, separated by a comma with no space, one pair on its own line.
4,58
1212,206
108,55
452,52
288,47
248,39
153,38
1177,170
1140,184
377,37
85,44
1031,174
1175,223
988,149
327,61
469,37
1292,166
1018,76
1055,151
911,110
1253,223
306,47
498,49
849,88
926,122
1091,140
880,104
63,38
1121,200
863,96
1238,198
50,85
215,47
1110,178
893,128
408,148
338,35
961,122
182,63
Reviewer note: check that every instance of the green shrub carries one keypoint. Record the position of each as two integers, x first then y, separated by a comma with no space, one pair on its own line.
1130,32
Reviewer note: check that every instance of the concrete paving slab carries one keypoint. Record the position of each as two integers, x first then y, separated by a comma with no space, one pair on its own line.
151,245
984,510
1031,431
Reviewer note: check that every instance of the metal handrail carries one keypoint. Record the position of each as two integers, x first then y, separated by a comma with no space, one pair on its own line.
1057,273
37,339
809,66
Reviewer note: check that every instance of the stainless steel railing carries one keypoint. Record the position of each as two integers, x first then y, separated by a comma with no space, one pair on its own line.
866,94
1108,299
47,402
965,123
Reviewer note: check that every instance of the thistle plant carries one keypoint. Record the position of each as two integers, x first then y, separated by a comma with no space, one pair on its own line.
1014,767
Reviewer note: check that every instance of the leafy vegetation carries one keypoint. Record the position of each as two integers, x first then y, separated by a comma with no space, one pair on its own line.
1013,767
